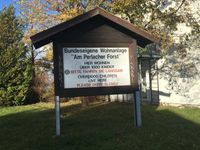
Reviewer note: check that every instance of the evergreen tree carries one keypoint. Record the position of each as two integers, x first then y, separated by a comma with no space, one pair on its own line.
15,66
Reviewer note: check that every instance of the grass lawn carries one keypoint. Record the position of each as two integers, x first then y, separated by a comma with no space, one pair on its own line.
99,127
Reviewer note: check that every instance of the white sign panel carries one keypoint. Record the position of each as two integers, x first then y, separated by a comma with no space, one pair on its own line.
96,67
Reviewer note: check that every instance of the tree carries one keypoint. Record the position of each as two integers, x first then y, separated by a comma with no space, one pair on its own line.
39,15
15,68
180,51
160,17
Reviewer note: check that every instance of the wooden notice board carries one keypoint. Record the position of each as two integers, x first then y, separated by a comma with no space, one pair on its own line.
96,68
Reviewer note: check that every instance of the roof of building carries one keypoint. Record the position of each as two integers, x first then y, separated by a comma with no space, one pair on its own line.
143,37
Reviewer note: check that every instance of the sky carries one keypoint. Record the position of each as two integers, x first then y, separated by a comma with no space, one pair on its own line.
5,3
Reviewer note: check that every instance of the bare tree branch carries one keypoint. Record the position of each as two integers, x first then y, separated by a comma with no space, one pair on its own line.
170,14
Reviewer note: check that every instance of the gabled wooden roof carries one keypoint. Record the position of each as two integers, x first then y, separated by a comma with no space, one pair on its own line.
143,37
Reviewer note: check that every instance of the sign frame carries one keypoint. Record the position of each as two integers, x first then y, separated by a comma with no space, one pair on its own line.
91,91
